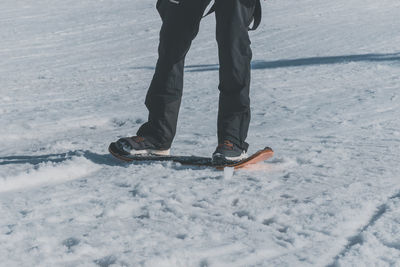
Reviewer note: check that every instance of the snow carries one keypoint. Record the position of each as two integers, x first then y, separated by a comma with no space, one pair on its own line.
47,173
325,97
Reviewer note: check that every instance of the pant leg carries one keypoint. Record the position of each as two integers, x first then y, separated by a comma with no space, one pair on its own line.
180,26
233,19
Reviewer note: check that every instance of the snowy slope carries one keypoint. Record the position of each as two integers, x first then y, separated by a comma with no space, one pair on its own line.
325,96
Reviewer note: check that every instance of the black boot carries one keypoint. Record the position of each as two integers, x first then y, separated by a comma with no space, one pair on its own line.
228,152
137,145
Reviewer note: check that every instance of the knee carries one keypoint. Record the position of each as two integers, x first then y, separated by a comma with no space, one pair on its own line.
234,42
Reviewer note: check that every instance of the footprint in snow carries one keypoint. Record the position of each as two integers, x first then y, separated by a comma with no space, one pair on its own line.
106,261
71,242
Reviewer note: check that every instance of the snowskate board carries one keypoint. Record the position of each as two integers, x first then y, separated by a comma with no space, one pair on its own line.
257,157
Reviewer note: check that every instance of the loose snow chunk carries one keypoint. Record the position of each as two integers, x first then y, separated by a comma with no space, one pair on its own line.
228,172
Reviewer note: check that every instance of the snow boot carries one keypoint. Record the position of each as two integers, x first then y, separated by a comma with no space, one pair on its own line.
227,152
138,145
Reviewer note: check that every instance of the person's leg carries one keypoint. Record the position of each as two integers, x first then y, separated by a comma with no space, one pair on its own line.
233,19
180,26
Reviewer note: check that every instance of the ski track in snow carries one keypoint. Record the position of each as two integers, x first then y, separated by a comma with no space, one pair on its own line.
358,240
325,97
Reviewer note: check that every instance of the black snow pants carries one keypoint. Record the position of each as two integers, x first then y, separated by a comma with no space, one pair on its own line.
180,25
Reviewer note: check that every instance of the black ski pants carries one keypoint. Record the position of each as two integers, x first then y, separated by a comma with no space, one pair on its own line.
180,25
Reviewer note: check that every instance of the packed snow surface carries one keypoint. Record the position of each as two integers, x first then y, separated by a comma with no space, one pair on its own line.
325,96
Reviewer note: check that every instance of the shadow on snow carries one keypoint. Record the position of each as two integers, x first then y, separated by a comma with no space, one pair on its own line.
103,159
310,61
